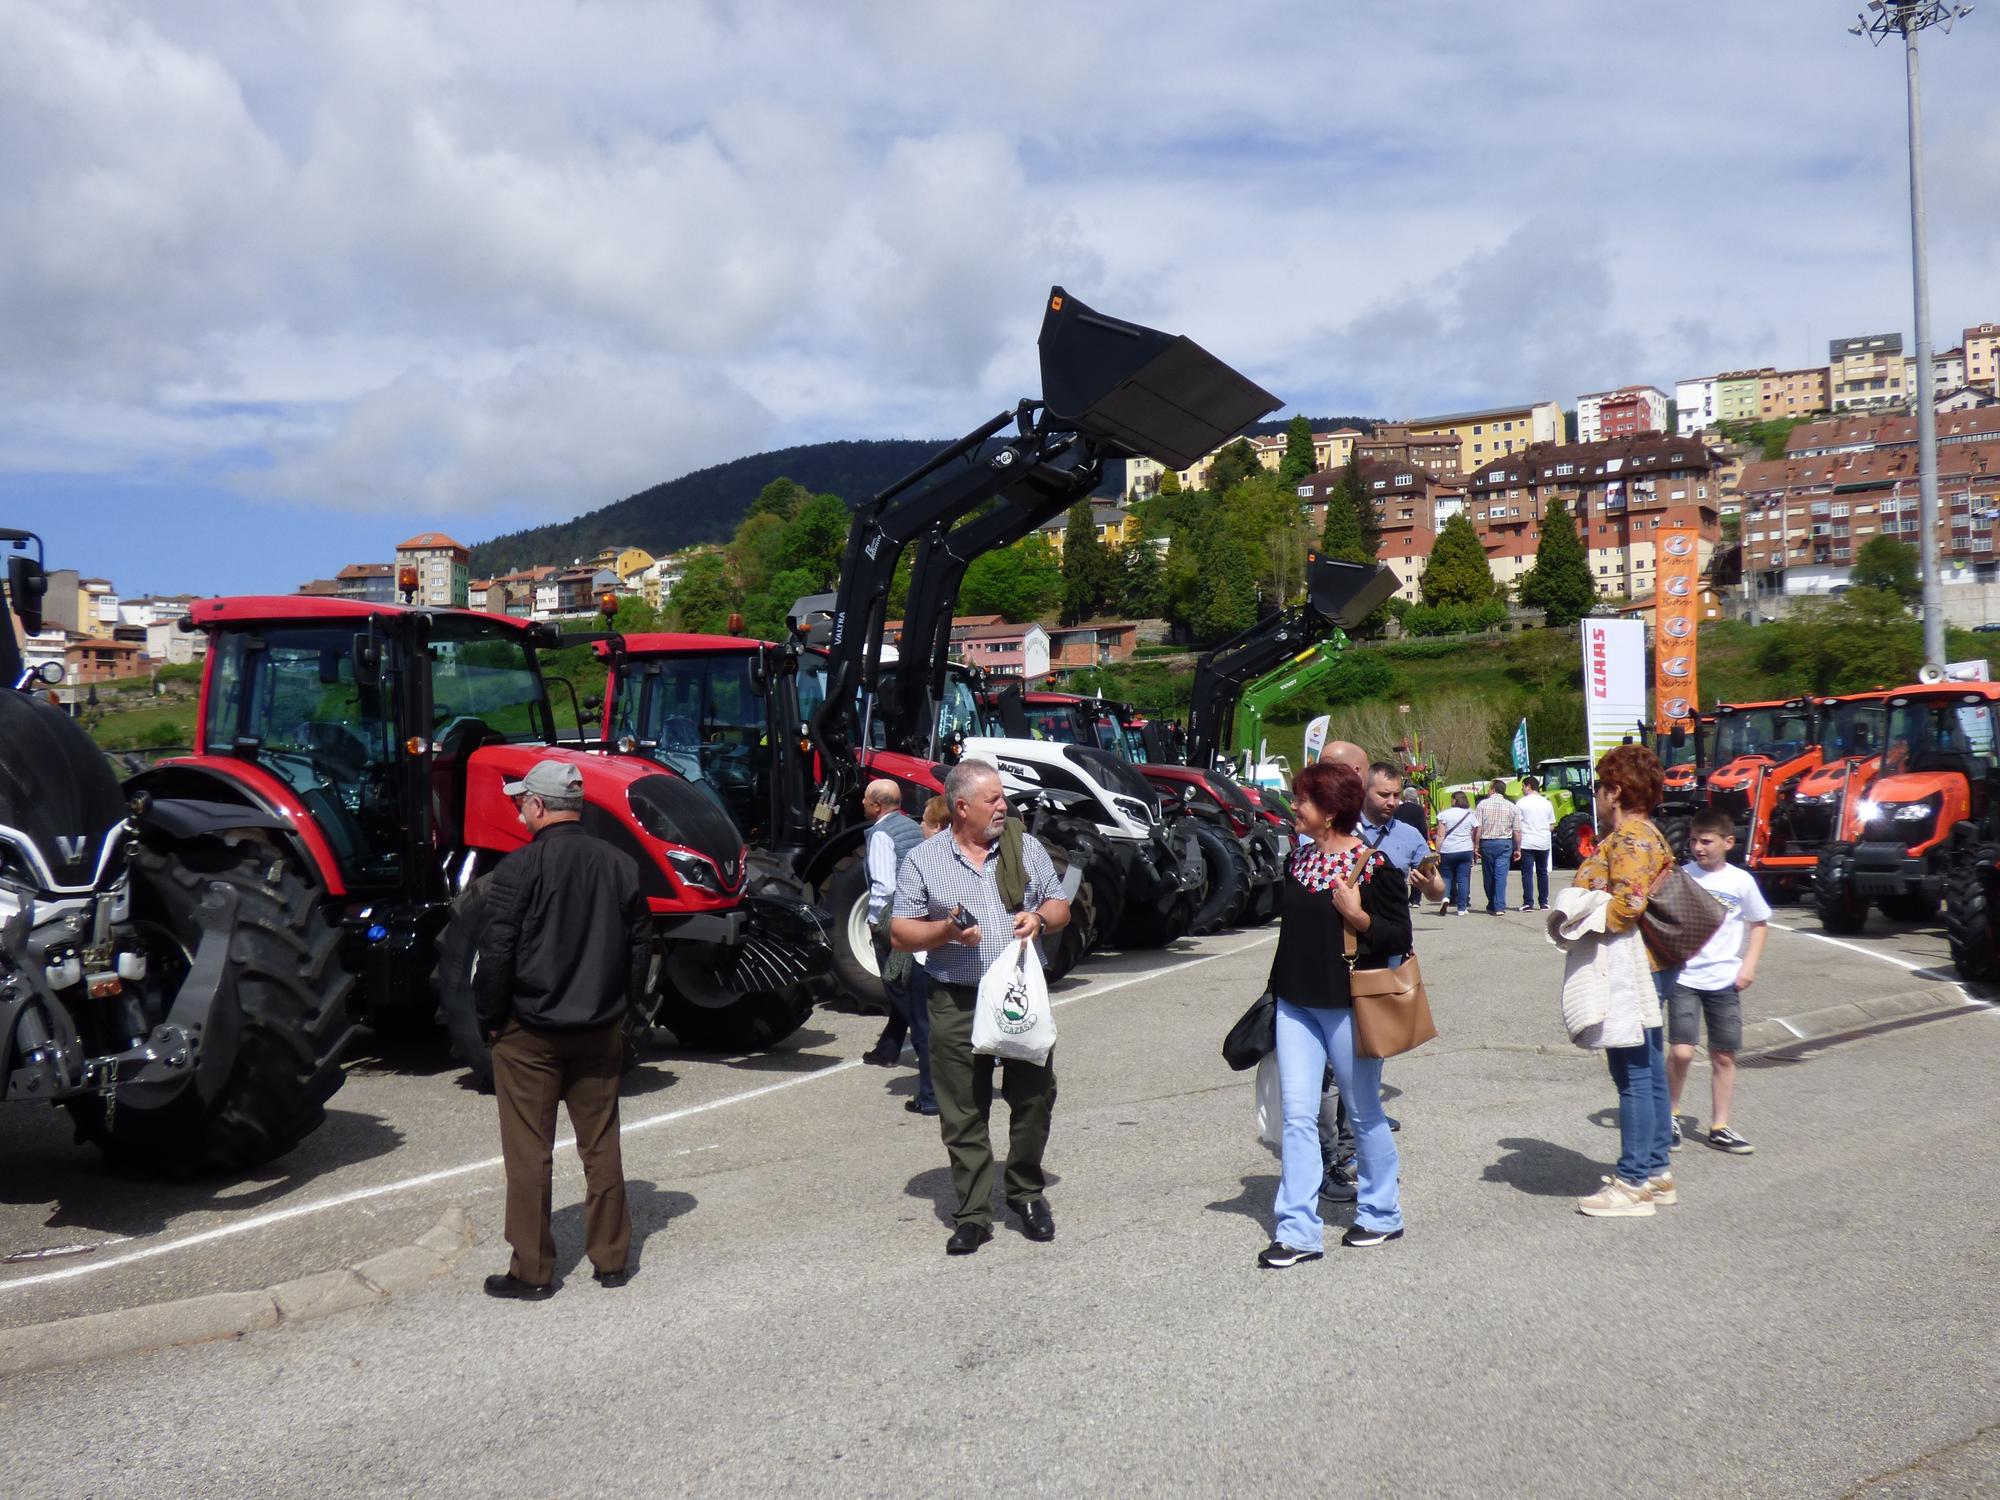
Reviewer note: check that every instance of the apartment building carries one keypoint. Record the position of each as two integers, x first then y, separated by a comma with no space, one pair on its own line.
1494,433
1867,372
1621,491
1947,371
444,569
1406,501
1739,395
1982,357
1393,442
1694,405
1791,393
372,583
1626,412
1331,450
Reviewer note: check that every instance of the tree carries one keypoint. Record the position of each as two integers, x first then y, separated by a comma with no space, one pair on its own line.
702,600
1226,591
1183,583
1559,584
1170,483
781,498
1143,588
1889,565
1298,461
1234,464
1457,572
816,537
1089,569
1018,583
1341,540
757,550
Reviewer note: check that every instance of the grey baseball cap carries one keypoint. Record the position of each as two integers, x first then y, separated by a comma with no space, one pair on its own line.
547,778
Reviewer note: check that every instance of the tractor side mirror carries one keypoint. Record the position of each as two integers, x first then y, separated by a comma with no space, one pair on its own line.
592,703
1679,737
27,583
366,654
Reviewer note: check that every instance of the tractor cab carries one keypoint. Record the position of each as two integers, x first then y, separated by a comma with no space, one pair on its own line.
1851,733
1684,755
1761,750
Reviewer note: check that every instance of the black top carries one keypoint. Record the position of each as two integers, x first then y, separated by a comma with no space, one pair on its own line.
1310,967
1411,813
566,932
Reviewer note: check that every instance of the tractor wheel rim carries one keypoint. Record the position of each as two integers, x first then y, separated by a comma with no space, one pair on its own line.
859,942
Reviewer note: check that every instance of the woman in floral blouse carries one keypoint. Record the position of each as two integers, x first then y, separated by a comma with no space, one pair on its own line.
1629,862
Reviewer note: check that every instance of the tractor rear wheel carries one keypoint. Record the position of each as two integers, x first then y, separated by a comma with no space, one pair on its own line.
1228,880
844,899
1841,908
1575,841
1969,913
292,1025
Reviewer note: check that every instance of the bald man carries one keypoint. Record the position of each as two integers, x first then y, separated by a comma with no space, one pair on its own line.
891,836
1346,753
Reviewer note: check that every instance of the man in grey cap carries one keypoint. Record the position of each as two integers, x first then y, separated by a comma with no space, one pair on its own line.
566,934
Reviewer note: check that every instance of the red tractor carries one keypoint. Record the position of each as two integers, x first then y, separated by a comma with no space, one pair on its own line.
368,743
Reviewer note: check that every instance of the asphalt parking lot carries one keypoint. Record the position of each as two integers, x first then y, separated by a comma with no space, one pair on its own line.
1811,1320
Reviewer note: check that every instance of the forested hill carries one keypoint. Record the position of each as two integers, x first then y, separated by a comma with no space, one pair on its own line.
707,505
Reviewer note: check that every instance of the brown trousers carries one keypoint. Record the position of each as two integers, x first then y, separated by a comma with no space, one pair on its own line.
532,1071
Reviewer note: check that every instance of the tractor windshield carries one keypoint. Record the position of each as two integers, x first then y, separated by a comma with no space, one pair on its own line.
1057,722
1672,755
286,698
1566,775
1940,734
701,715
958,712
1781,733
1851,729
482,674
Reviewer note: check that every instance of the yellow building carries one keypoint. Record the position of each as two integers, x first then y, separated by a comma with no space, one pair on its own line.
1331,450
1115,528
1486,435
624,561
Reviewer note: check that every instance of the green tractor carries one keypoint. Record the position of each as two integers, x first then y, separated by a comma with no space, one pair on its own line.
1568,783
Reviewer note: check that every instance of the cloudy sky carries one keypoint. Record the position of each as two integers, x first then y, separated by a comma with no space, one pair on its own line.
282,283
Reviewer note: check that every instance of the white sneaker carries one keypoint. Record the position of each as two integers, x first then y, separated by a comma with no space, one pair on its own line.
1618,1199
1663,1190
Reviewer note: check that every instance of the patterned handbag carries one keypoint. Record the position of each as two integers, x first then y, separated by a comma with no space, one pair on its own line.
1679,919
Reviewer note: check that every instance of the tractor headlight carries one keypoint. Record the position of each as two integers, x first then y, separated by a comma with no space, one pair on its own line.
1133,808
1910,812
696,871
1867,811
1810,799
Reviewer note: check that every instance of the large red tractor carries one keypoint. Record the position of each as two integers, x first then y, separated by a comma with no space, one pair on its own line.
369,743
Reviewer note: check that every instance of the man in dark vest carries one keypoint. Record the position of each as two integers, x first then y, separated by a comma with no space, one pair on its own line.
892,835
566,932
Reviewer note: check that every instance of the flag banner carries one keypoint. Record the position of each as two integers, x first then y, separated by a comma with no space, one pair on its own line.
1315,740
1521,761
1614,682
1676,628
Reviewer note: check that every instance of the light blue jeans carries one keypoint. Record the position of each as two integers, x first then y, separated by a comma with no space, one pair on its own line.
1308,1041
1457,879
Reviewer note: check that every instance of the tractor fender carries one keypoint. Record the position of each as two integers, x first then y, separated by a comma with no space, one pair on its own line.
201,796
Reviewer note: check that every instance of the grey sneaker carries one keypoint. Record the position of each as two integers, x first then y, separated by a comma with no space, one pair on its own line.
1724,1139
1677,1141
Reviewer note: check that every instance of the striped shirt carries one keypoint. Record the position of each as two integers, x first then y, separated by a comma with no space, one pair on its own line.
937,876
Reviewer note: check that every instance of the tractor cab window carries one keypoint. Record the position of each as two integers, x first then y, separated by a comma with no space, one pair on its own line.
1053,721
286,698
1566,776
1135,744
958,713
1781,733
1940,735
700,715
485,685
1851,729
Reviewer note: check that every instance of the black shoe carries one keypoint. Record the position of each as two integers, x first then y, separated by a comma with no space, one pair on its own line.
1037,1223
1394,1123
917,1109
967,1238
507,1284
881,1057
1338,1185
611,1278
1277,1255
1358,1238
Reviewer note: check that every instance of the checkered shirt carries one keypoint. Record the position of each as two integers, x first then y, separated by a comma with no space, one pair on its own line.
937,876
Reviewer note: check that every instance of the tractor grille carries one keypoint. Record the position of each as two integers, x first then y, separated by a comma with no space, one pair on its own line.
784,944
1735,803
1812,826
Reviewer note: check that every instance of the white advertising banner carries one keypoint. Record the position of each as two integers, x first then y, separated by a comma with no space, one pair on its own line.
1614,682
1315,740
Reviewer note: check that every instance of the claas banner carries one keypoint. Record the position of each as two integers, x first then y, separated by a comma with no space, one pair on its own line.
1676,627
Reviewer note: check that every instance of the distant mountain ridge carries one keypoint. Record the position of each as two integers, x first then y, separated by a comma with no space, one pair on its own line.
707,505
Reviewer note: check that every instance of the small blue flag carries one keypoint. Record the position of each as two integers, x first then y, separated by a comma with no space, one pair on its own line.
1521,749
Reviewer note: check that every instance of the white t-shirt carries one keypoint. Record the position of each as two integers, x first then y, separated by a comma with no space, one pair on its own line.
1537,816
1721,960
1455,837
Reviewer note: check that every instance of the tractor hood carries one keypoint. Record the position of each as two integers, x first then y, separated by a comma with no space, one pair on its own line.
59,802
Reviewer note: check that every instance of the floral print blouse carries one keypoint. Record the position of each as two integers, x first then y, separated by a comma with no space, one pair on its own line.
1628,863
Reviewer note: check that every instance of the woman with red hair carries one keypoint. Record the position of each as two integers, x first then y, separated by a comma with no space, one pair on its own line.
1631,857
1333,883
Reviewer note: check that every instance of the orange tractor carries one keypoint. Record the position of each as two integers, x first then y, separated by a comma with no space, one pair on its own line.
1895,846
1761,751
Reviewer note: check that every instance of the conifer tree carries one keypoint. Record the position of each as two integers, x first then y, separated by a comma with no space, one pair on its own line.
1457,572
1559,584
1298,463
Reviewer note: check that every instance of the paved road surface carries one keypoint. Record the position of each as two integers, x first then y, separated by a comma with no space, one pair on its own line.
1808,1321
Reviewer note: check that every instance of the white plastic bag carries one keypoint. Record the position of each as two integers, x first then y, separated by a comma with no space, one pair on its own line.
1011,1018
1270,1102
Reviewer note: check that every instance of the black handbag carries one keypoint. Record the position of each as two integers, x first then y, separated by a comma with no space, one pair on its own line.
1254,1036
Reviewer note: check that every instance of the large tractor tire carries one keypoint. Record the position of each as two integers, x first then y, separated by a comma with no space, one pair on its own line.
1675,831
1841,908
291,991
1228,880
716,999
844,899
1574,841
1969,912
458,962
1909,906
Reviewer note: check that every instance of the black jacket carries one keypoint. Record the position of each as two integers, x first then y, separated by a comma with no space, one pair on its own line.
566,934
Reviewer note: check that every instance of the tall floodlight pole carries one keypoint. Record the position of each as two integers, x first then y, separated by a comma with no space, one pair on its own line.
1880,21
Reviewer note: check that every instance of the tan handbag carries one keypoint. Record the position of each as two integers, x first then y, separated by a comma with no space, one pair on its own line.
1392,1011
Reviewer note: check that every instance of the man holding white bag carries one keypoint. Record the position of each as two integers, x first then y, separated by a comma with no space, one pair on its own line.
964,899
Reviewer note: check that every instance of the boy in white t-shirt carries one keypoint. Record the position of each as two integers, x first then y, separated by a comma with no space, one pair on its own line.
1709,984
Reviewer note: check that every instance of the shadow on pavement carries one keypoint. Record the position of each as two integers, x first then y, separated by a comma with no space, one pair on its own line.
1544,1169
652,1211
934,1187
648,1078
786,1058
1253,1202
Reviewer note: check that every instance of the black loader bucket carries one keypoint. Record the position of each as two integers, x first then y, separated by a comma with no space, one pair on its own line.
1159,395
1346,592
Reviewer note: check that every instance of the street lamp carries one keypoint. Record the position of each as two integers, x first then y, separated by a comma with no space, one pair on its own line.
1905,18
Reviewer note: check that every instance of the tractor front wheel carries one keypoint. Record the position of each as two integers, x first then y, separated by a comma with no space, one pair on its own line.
1969,913
1841,908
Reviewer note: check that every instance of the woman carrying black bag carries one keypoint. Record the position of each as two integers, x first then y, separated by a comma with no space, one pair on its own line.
1332,882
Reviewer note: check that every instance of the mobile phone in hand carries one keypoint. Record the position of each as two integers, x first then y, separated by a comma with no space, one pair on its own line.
961,918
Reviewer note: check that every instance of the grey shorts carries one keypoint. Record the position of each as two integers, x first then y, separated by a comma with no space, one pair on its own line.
1721,1009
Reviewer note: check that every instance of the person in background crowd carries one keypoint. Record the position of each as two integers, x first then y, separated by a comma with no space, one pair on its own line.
891,837
1499,844
566,935
1456,825
964,901
1333,883
1627,864
1536,816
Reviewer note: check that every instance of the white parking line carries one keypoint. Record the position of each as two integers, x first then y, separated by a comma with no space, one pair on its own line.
1853,948
445,1174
